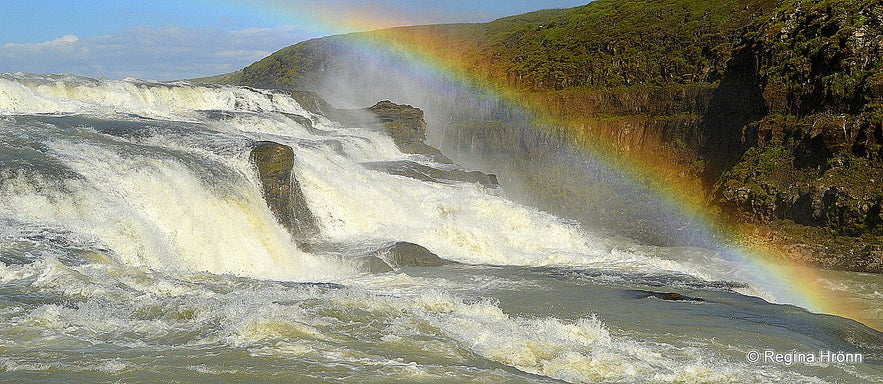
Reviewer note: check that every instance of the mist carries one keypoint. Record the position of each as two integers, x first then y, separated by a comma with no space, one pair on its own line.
481,132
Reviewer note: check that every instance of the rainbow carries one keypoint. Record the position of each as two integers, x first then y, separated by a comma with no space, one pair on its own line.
788,281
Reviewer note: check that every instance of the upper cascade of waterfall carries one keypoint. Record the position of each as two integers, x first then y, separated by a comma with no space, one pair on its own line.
140,168
22,93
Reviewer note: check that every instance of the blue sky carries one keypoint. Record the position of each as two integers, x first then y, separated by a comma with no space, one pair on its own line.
165,40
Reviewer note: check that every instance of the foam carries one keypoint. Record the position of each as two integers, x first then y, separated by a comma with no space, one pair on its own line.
356,328
190,259
582,350
67,94
157,213
153,210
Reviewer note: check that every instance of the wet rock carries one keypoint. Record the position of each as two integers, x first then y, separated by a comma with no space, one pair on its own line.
311,101
438,175
336,145
378,257
282,193
668,296
404,254
406,126
217,114
404,123
306,122
373,264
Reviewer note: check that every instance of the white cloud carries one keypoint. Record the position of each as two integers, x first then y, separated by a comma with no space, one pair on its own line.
64,39
149,53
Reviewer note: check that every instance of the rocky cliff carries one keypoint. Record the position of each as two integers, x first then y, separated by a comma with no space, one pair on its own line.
812,167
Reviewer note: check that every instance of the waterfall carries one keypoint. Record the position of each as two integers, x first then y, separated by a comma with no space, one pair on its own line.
181,232
161,175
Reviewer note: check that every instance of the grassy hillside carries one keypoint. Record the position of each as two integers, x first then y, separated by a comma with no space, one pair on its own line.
607,43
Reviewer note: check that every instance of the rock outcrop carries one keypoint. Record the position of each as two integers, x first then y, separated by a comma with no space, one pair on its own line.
380,257
811,168
419,171
274,163
404,123
373,264
667,296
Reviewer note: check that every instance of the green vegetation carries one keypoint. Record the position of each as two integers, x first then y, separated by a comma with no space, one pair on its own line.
610,58
604,44
822,56
610,43
817,154
227,78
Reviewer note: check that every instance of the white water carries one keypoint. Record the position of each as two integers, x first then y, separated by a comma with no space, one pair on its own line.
29,94
153,202
147,236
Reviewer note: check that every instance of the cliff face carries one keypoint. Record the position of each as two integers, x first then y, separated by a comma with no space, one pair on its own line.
814,159
769,110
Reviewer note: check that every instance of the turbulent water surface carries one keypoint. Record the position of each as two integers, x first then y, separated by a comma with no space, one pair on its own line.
135,246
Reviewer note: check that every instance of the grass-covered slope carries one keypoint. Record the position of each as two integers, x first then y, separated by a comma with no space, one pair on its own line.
606,43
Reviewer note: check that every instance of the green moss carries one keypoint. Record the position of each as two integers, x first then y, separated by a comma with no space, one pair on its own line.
823,53
759,164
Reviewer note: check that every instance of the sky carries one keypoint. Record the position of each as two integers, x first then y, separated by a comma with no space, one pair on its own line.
169,40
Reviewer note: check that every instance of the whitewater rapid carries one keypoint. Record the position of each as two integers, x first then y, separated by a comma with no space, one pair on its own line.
132,226
174,189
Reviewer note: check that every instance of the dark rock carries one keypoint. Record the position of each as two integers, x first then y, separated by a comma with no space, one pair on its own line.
813,157
406,126
373,264
404,254
377,258
404,123
306,122
668,296
336,145
218,115
310,284
426,173
274,163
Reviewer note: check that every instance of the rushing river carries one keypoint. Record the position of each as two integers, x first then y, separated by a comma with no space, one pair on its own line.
135,246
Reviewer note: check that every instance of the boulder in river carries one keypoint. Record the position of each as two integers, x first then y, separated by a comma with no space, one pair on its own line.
281,191
404,254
